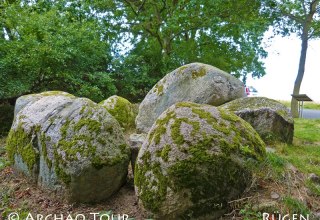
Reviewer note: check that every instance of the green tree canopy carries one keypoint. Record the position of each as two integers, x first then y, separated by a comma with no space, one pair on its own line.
100,47
169,33
52,46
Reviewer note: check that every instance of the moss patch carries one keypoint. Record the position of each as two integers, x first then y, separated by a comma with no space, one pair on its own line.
21,142
43,140
165,152
158,89
202,175
122,110
161,127
153,193
200,172
90,124
199,73
51,93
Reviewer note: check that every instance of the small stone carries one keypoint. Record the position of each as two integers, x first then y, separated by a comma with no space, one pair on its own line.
314,178
265,205
270,150
292,168
275,195
135,143
316,215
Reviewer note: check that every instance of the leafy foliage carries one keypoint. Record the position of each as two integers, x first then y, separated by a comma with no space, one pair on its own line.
167,34
49,49
99,48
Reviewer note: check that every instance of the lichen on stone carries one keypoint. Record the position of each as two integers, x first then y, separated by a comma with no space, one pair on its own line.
21,142
154,192
64,143
122,110
194,151
199,73
158,89
271,119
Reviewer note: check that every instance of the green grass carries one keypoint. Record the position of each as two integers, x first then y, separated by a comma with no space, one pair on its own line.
296,206
304,156
306,105
307,130
304,153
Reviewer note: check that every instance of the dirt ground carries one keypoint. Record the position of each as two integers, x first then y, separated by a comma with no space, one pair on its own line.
27,197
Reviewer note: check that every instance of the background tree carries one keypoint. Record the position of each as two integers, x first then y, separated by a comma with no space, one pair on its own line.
166,34
93,48
301,17
53,45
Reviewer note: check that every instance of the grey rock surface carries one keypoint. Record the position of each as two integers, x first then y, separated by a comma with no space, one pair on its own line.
195,82
271,119
135,143
70,145
24,100
194,161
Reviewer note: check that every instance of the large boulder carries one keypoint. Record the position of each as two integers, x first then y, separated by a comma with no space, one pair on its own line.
195,82
122,110
70,145
24,100
195,159
271,119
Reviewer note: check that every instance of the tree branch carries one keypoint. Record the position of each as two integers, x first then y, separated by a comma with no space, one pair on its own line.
293,17
131,7
304,7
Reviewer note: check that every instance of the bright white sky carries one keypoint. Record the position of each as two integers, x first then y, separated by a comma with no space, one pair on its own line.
282,67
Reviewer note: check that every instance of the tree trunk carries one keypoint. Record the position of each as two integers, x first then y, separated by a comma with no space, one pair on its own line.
302,63
304,47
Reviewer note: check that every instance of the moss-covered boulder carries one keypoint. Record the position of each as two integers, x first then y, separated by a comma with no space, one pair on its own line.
122,110
70,145
271,119
195,159
195,82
